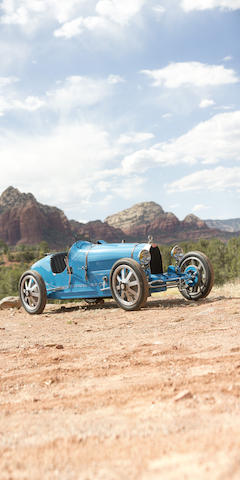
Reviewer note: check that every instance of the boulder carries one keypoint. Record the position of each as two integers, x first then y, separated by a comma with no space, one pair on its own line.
10,302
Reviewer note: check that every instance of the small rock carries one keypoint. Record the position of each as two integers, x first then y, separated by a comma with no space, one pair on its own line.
10,302
183,395
49,382
60,347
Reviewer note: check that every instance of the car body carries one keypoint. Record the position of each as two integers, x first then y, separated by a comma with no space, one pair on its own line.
128,272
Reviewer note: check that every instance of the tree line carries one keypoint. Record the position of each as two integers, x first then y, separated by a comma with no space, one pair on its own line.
225,258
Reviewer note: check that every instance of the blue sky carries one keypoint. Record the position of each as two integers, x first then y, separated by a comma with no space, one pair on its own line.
106,103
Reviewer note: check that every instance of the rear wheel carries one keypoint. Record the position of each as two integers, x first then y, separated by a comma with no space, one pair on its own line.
199,276
32,292
129,284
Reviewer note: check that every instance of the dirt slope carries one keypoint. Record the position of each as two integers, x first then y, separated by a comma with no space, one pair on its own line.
95,393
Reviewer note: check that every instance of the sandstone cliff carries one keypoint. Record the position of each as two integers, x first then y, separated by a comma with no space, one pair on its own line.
97,230
24,220
149,218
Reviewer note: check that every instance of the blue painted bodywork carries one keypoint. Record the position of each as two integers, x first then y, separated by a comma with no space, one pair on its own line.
88,267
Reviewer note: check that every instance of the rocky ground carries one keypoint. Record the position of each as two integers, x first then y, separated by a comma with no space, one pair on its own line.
96,393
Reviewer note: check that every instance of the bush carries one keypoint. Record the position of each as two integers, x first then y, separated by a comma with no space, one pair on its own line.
9,278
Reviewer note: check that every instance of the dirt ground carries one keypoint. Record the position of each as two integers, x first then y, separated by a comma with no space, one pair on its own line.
96,393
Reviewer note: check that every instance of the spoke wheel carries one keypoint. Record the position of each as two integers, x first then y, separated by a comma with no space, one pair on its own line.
32,292
129,284
199,265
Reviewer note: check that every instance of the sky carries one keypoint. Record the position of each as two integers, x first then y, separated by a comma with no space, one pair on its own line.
107,103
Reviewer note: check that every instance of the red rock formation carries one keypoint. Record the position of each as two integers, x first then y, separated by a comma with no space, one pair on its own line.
97,230
191,221
24,220
149,218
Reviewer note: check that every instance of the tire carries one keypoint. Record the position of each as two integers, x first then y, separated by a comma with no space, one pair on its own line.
32,292
205,275
129,284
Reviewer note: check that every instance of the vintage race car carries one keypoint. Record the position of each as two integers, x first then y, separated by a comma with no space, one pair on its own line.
127,272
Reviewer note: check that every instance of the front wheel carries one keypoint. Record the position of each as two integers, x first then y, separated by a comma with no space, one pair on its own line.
129,284
32,292
199,276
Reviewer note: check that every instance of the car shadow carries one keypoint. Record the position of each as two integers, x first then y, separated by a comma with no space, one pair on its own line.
182,302
151,304
82,306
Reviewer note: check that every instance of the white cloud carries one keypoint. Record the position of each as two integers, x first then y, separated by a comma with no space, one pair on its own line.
79,25
129,187
63,10
206,102
120,186
77,91
191,73
217,179
189,5
72,93
29,103
214,140
60,165
10,101
120,12
71,29
68,167
199,208
135,137
5,81
73,16
167,115
113,79
33,12
108,15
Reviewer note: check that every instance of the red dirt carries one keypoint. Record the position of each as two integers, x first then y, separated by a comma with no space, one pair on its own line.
96,393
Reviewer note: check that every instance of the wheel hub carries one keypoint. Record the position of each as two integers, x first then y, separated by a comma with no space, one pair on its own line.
192,275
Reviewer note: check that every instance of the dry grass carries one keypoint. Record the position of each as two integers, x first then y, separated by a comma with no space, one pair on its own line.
229,290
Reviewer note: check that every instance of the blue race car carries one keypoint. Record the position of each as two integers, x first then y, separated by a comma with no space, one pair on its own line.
127,272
